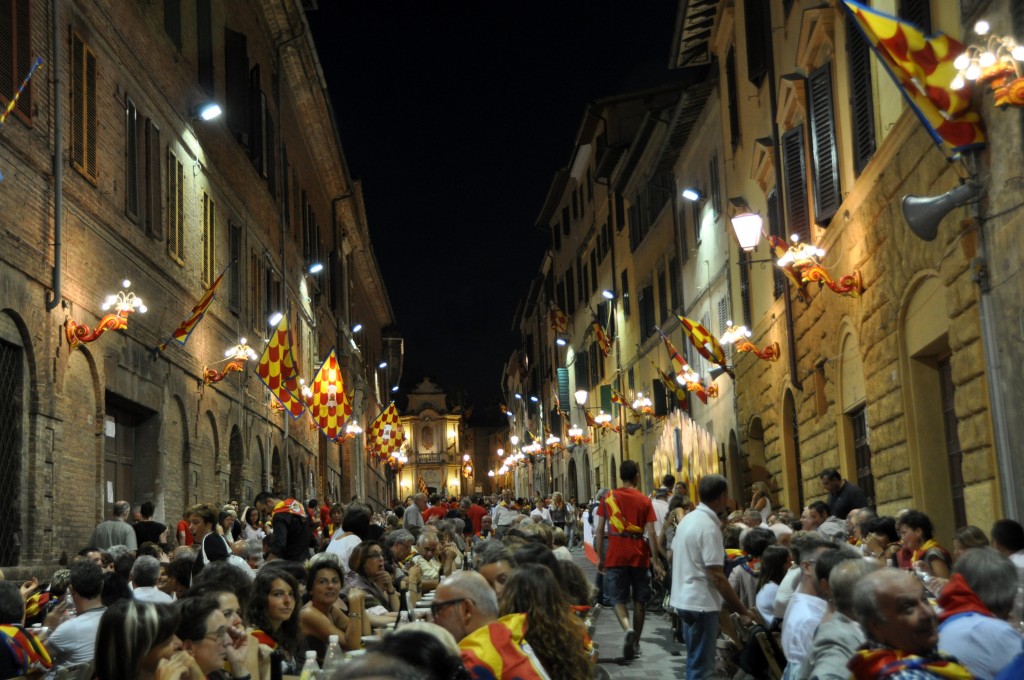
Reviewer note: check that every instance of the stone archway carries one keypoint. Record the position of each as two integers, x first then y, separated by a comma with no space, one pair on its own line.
571,488
236,456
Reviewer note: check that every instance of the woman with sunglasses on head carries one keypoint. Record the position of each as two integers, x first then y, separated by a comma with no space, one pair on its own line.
368,575
274,619
210,641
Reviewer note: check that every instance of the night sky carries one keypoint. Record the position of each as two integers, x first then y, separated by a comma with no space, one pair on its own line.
456,114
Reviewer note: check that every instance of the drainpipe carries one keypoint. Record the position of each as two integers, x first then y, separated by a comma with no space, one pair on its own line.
58,162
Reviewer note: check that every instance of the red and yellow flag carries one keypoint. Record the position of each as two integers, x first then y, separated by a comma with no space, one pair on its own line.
385,434
674,388
185,328
558,320
497,650
277,370
706,344
330,406
922,67
603,341
679,364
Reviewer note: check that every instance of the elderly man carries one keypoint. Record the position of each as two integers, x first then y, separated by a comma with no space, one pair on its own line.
975,604
429,562
398,545
116,531
464,602
144,576
893,608
504,515
413,516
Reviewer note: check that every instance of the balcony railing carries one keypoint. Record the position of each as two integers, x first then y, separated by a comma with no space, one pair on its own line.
431,458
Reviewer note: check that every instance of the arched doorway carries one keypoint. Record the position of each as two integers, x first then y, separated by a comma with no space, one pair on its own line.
276,473
570,488
588,489
236,456
792,468
613,474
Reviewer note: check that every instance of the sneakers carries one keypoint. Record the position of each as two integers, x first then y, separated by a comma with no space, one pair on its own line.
630,645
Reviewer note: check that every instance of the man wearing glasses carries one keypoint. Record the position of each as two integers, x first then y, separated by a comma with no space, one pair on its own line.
464,603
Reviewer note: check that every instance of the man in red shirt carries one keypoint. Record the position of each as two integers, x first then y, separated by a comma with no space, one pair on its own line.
475,512
437,509
624,516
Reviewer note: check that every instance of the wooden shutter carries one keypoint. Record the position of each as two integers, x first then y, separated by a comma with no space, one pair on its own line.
209,239
757,19
172,21
131,160
271,170
175,209
824,154
204,45
733,99
723,319
236,84
659,397
775,229
795,180
83,108
563,387
16,59
716,188
154,204
862,106
255,119
745,292
235,268
918,12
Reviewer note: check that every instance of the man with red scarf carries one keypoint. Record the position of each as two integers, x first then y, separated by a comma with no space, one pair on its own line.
893,608
290,539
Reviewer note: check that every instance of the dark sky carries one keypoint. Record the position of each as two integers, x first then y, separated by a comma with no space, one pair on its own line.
456,114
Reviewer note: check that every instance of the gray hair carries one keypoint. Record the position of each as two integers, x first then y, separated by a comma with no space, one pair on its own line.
865,594
399,536
843,580
122,508
803,543
425,537
489,552
992,577
751,513
474,586
145,571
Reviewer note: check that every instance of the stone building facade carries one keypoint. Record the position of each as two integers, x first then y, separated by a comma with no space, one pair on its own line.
106,158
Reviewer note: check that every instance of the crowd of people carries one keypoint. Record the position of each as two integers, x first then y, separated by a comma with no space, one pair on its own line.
486,587
229,593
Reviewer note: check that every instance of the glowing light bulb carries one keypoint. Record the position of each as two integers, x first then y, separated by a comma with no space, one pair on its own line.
958,83
986,59
961,62
982,27
973,72
1017,52
126,284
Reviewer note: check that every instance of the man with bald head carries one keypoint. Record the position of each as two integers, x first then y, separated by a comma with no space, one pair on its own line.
464,603
413,516
893,608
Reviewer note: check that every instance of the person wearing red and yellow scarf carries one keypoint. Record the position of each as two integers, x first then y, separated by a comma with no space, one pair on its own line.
290,539
902,631
917,533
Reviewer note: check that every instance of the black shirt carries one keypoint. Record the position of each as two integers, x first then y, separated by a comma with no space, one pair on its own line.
290,540
850,497
148,530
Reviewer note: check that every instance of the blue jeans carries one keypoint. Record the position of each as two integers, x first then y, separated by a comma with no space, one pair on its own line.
700,630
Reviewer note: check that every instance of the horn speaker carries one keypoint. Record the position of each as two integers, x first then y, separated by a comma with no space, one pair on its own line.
924,213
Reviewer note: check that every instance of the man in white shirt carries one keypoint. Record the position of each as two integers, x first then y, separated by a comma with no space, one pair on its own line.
504,515
803,543
806,608
699,583
74,640
660,503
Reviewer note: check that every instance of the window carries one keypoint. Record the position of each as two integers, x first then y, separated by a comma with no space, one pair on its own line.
646,311
757,19
862,453
775,229
824,155
581,279
582,363
556,237
733,101
723,320
153,205
172,21
794,177
560,295
257,122
236,84
625,292
695,218
570,292
954,453
204,44
593,269
662,296
131,161
918,12
83,109
862,107
684,245
673,284
235,268
16,61
255,290
575,204
175,209
716,188
745,292
566,223
646,206
596,364
209,240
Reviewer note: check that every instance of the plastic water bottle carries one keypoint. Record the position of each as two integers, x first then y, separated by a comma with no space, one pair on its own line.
334,658
310,669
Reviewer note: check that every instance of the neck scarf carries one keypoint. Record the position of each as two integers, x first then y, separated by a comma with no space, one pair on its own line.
957,598
930,544
28,652
882,663
264,638
290,506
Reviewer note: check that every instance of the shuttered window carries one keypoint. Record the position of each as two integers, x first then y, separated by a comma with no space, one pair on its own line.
204,45
235,268
570,292
16,56
131,161
794,177
734,111
824,152
716,188
662,297
172,21
745,291
757,19
83,109
255,275
918,12
257,124
862,106
624,278
236,84
673,283
647,312
271,170
152,160
175,209
723,320
209,239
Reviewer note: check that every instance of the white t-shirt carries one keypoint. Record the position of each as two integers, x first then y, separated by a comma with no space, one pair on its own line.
74,641
696,546
803,616
786,589
342,546
660,513
765,601
765,511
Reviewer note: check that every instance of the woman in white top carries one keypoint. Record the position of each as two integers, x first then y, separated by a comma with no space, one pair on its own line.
775,561
760,501
354,529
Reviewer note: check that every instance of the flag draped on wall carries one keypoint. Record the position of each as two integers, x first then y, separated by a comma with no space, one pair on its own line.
330,406
277,370
922,67
603,341
385,434
674,388
185,328
705,343
557,318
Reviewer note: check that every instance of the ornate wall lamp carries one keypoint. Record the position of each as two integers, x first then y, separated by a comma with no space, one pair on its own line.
467,466
806,259
737,337
237,356
124,303
352,430
997,64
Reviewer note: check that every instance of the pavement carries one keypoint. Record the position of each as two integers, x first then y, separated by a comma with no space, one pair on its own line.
660,656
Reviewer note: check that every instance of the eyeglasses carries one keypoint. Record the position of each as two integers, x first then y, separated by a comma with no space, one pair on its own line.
217,635
437,607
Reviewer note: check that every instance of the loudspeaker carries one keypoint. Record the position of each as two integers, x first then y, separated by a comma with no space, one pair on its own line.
631,428
923,214
716,372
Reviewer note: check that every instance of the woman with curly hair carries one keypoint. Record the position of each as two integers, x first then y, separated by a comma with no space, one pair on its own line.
553,633
918,535
274,618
